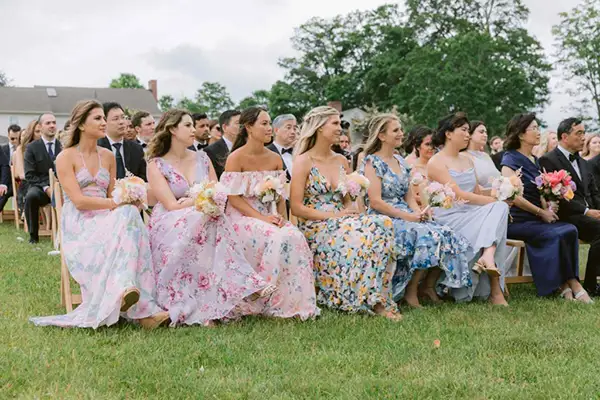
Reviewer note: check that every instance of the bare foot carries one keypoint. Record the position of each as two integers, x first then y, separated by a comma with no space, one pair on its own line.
389,314
412,301
431,294
498,300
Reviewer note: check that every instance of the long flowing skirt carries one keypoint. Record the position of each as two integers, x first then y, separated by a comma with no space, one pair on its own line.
107,253
201,272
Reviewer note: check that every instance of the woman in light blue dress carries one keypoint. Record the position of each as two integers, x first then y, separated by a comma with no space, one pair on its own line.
425,248
481,219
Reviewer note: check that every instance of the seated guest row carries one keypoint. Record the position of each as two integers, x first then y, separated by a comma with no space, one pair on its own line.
192,268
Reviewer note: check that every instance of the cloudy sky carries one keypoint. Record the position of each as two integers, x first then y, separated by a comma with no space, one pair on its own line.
182,43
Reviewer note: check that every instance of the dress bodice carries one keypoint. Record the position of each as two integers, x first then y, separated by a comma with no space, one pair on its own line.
244,184
484,167
393,186
466,180
529,170
92,185
319,193
178,183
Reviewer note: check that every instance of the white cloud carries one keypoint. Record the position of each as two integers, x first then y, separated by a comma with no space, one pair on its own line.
181,43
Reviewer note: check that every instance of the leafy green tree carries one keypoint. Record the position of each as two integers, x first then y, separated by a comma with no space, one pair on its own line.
577,52
213,98
258,98
127,81
166,102
4,79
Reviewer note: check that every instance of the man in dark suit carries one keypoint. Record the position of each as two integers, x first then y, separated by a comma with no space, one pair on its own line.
14,134
39,159
583,210
497,159
202,126
284,129
219,150
144,125
129,155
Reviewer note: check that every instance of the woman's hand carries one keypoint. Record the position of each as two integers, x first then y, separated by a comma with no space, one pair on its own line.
185,202
510,203
345,212
276,220
548,216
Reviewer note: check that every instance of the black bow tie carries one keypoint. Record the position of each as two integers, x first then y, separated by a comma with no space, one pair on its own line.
573,157
144,145
290,150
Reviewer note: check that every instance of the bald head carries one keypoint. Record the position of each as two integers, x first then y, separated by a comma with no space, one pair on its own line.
48,125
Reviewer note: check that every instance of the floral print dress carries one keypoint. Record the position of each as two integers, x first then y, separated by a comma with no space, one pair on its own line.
201,272
106,252
421,245
354,255
281,256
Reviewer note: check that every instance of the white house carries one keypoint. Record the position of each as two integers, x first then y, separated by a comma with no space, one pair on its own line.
21,105
354,115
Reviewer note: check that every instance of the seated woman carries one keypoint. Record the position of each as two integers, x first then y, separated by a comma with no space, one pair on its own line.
31,133
354,254
481,219
201,274
552,246
419,141
425,248
275,248
105,246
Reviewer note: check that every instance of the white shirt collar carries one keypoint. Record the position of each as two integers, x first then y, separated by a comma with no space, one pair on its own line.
228,143
141,140
564,151
112,141
53,141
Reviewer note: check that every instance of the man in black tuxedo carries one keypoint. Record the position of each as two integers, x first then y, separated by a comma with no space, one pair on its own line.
6,152
39,158
202,134
219,150
583,210
128,154
497,159
144,125
284,129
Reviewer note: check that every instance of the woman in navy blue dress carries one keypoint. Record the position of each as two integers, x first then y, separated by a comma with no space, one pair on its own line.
552,246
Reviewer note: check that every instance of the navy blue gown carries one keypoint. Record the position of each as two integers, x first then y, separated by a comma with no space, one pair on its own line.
552,249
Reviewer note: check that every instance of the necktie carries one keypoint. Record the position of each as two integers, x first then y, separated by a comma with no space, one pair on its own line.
50,152
290,150
119,158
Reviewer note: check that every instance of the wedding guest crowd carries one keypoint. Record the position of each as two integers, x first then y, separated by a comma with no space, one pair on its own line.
368,250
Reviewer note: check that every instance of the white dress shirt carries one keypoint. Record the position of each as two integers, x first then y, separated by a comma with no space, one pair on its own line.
575,167
228,143
12,149
287,157
53,141
121,150
197,143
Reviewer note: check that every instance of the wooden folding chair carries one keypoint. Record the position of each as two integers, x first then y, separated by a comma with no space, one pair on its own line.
53,218
45,228
16,210
67,297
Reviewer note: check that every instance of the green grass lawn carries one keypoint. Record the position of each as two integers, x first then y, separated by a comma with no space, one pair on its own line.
536,348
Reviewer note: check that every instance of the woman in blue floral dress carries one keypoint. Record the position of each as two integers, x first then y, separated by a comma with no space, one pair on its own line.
426,249
353,254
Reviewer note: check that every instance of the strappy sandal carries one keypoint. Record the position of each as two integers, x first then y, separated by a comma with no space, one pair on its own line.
264,293
480,267
583,297
567,294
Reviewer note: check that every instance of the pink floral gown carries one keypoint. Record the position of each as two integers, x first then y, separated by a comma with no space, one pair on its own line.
280,255
201,272
107,252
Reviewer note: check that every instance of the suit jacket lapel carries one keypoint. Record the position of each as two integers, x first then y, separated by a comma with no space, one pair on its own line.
129,161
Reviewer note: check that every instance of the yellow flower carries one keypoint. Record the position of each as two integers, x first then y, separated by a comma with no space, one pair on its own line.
387,223
569,195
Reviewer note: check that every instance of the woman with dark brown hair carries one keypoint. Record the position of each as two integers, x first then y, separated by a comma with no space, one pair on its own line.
104,244
214,131
201,273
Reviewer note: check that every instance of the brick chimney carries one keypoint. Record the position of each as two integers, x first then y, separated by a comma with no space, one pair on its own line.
336,104
153,87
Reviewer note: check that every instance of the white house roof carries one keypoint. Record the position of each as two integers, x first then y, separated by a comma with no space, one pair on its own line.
60,100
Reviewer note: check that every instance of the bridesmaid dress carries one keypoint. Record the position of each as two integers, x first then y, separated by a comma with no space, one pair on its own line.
107,253
486,171
552,249
201,274
421,245
482,226
281,256
354,255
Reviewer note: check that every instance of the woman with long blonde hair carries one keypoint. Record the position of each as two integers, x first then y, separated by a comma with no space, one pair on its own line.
591,147
427,249
104,244
354,255
201,273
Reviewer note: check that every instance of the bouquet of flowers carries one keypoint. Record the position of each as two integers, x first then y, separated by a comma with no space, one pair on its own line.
209,197
270,190
554,186
417,179
129,190
438,195
356,185
507,188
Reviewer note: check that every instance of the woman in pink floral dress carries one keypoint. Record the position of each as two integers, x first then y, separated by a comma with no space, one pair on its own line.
105,247
275,248
201,272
